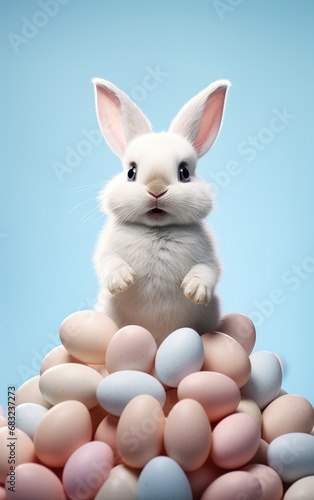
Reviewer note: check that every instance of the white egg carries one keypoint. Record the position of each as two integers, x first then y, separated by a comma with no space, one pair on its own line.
28,416
163,479
117,389
180,354
292,456
265,380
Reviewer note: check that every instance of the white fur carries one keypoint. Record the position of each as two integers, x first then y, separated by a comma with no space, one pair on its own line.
158,272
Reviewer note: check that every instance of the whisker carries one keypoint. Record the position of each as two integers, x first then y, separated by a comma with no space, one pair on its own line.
85,187
82,203
87,216
98,218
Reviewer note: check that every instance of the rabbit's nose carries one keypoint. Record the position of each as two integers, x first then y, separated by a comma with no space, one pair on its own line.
157,195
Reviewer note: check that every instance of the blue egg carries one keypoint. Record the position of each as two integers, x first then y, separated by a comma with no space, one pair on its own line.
265,380
180,354
292,456
28,416
117,389
163,479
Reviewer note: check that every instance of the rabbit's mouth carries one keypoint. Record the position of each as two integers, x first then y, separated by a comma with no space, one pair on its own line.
157,212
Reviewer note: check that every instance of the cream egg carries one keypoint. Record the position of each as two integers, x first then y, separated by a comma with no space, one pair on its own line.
225,355
131,348
63,429
121,484
86,335
216,392
301,490
249,406
140,431
29,392
70,381
57,356
289,413
187,436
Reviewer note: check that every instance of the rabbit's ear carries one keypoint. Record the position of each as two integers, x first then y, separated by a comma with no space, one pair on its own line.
199,120
120,120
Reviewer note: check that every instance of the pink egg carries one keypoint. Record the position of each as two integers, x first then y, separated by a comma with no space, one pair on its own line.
36,482
235,485
202,477
87,469
271,484
241,328
131,348
3,495
235,440
217,393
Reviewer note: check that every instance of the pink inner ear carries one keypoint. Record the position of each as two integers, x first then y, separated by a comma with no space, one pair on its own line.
211,120
110,118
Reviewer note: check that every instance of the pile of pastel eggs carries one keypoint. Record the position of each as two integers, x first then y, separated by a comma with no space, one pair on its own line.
112,416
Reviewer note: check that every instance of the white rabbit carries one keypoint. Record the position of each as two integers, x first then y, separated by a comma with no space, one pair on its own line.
155,259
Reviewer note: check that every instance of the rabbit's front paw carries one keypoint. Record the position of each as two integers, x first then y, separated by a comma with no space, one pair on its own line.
195,290
120,278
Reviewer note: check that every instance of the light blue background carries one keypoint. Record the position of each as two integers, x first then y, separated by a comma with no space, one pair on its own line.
264,217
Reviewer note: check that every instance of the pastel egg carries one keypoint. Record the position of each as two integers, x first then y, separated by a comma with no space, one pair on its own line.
86,335
301,489
234,485
163,479
265,380
271,484
241,328
70,381
16,448
260,456
289,413
57,356
292,456
63,429
202,477
115,391
249,406
131,348
225,355
107,432
87,469
35,482
180,354
3,421
140,431
216,392
28,416
121,484
187,436
29,392
235,440
3,495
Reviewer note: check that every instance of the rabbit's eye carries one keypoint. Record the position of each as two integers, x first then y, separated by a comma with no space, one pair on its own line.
184,174
132,171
